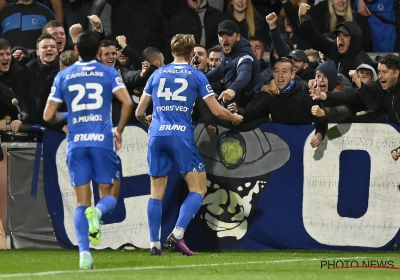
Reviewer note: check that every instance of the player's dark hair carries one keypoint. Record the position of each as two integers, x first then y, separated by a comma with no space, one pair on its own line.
88,44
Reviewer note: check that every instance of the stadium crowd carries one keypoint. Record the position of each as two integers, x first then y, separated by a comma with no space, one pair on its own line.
286,61
271,60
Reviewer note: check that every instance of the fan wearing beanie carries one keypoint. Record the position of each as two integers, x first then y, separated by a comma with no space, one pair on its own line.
327,80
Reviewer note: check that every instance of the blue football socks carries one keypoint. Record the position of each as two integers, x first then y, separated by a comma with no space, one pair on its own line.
188,210
81,228
106,204
154,214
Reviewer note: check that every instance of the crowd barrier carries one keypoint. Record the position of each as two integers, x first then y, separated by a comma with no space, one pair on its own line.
267,189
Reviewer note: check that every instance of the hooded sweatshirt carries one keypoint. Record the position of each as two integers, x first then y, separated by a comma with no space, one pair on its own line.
344,62
366,66
341,97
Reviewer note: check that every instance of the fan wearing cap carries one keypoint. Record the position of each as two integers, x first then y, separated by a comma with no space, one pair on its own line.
384,93
239,67
327,14
345,51
240,70
301,65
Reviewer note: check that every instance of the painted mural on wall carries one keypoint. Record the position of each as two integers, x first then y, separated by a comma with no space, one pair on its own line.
267,189
238,165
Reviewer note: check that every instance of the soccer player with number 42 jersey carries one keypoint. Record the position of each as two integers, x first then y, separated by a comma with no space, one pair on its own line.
173,89
87,88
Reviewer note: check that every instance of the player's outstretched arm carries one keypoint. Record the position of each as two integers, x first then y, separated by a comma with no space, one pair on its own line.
221,112
50,113
141,109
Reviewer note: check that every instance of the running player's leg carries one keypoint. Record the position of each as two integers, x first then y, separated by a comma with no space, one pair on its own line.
154,212
83,197
106,172
159,164
80,174
192,167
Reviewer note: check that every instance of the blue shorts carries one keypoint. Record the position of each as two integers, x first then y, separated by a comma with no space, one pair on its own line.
92,163
164,150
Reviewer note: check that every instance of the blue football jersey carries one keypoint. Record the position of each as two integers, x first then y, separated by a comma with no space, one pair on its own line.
174,88
87,89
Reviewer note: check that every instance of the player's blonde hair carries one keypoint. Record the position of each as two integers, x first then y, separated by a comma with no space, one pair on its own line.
182,44
68,58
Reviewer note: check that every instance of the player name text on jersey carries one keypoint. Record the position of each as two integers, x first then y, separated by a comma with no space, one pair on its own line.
85,74
88,118
89,137
172,108
172,127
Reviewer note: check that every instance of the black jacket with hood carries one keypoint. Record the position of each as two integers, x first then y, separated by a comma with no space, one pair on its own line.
344,62
375,97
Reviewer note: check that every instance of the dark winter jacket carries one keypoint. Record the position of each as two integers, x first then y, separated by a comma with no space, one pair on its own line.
344,62
289,108
187,21
6,106
320,17
307,74
342,105
241,71
37,82
12,78
143,22
375,97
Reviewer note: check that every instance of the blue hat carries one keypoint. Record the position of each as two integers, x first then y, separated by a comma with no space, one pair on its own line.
330,71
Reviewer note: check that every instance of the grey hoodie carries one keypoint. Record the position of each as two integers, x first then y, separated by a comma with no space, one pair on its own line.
366,66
